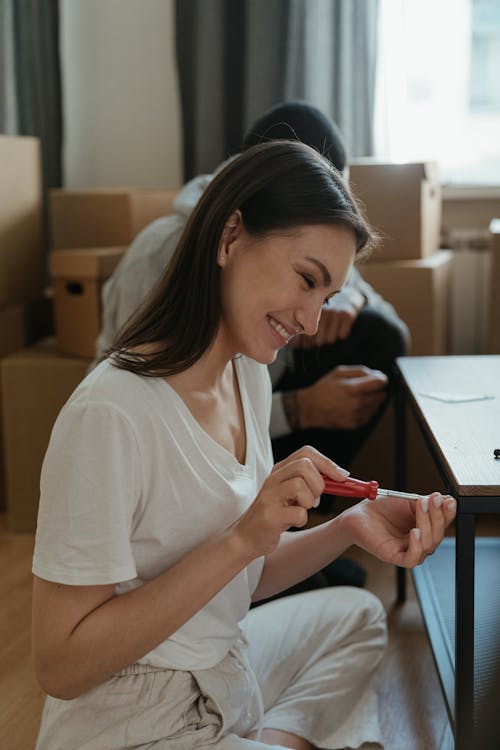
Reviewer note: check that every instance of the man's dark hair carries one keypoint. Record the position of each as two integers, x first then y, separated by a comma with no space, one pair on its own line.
298,120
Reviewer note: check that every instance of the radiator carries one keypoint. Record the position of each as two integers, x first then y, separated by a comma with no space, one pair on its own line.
470,290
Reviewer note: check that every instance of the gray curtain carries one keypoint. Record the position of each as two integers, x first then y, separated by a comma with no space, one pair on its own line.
237,58
30,85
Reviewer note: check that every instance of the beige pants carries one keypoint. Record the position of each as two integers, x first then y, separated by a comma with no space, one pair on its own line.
314,656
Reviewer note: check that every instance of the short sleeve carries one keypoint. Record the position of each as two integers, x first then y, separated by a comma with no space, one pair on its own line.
90,487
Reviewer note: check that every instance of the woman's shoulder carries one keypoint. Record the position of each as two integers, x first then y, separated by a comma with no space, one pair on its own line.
118,390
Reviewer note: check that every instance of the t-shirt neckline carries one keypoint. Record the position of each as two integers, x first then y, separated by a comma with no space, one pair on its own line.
224,452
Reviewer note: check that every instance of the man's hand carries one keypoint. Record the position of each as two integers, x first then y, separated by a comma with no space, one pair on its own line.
344,399
337,318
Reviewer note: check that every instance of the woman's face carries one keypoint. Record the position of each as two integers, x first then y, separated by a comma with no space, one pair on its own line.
274,287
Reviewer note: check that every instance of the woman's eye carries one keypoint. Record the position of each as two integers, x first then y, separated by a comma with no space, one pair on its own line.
309,280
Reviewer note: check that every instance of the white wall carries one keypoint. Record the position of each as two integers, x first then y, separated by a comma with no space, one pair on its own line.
120,94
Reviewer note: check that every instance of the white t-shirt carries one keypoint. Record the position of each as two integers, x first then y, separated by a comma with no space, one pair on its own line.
131,483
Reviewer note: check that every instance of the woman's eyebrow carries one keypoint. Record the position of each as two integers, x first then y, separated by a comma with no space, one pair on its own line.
327,279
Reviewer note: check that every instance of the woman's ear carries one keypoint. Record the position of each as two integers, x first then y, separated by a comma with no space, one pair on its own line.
231,232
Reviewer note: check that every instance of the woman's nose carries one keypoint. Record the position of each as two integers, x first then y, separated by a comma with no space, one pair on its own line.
308,318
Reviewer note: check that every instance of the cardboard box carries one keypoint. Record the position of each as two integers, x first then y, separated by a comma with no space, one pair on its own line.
104,217
11,329
22,264
420,292
36,382
78,276
493,346
403,203
11,339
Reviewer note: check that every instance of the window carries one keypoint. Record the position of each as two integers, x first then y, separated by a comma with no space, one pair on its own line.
438,86
485,57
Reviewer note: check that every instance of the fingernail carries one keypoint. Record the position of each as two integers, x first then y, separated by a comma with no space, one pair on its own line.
416,534
343,472
425,504
452,506
437,500
316,502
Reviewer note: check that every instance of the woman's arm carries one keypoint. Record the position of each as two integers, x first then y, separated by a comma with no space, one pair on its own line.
299,555
82,635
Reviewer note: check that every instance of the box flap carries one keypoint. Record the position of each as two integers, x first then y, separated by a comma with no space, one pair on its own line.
436,260
427,170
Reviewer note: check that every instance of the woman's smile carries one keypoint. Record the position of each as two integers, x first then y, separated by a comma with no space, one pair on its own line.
281,332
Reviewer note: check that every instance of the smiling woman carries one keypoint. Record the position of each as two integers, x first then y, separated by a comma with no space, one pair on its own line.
273,189
162,517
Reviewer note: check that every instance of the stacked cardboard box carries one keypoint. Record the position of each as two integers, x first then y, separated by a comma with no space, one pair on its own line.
78,276
104,217
36,382
90,230
403,204
420,292
494,298
22,267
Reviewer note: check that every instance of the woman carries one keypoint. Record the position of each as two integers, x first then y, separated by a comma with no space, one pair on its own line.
162,516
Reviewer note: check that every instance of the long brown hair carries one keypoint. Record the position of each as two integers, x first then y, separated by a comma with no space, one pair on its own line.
277,186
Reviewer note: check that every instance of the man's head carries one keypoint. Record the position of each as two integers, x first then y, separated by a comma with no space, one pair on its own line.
297,120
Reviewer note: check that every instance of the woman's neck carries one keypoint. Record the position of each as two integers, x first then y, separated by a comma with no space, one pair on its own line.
210,372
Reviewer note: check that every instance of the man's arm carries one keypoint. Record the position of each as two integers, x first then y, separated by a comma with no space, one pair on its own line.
344,399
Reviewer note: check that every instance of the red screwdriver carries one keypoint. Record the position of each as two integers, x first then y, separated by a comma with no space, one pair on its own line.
357,488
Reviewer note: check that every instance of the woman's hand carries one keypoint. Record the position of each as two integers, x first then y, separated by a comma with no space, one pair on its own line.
403,532
293,487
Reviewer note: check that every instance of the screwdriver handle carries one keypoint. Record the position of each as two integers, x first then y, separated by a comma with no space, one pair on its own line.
351,487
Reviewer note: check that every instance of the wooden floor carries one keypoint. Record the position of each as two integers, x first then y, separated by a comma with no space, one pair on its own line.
21,699
412,708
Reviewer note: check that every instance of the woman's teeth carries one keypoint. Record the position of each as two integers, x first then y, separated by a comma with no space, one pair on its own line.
281,329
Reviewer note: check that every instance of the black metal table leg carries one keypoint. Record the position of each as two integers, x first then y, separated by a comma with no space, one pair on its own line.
464,631
400,470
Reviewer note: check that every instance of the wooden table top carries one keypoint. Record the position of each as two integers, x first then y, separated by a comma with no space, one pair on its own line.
463,432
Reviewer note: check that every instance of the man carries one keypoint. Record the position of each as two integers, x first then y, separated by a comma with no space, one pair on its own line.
328,390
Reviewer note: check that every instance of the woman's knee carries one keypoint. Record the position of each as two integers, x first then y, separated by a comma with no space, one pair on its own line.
357,608
365,614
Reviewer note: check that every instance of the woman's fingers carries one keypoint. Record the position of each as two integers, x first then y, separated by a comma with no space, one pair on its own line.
317,463
433,514
437,519
449,509
324,464
294,515
297,491
423,519
415,553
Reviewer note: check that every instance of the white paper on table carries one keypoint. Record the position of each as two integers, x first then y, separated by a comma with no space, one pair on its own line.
457,398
